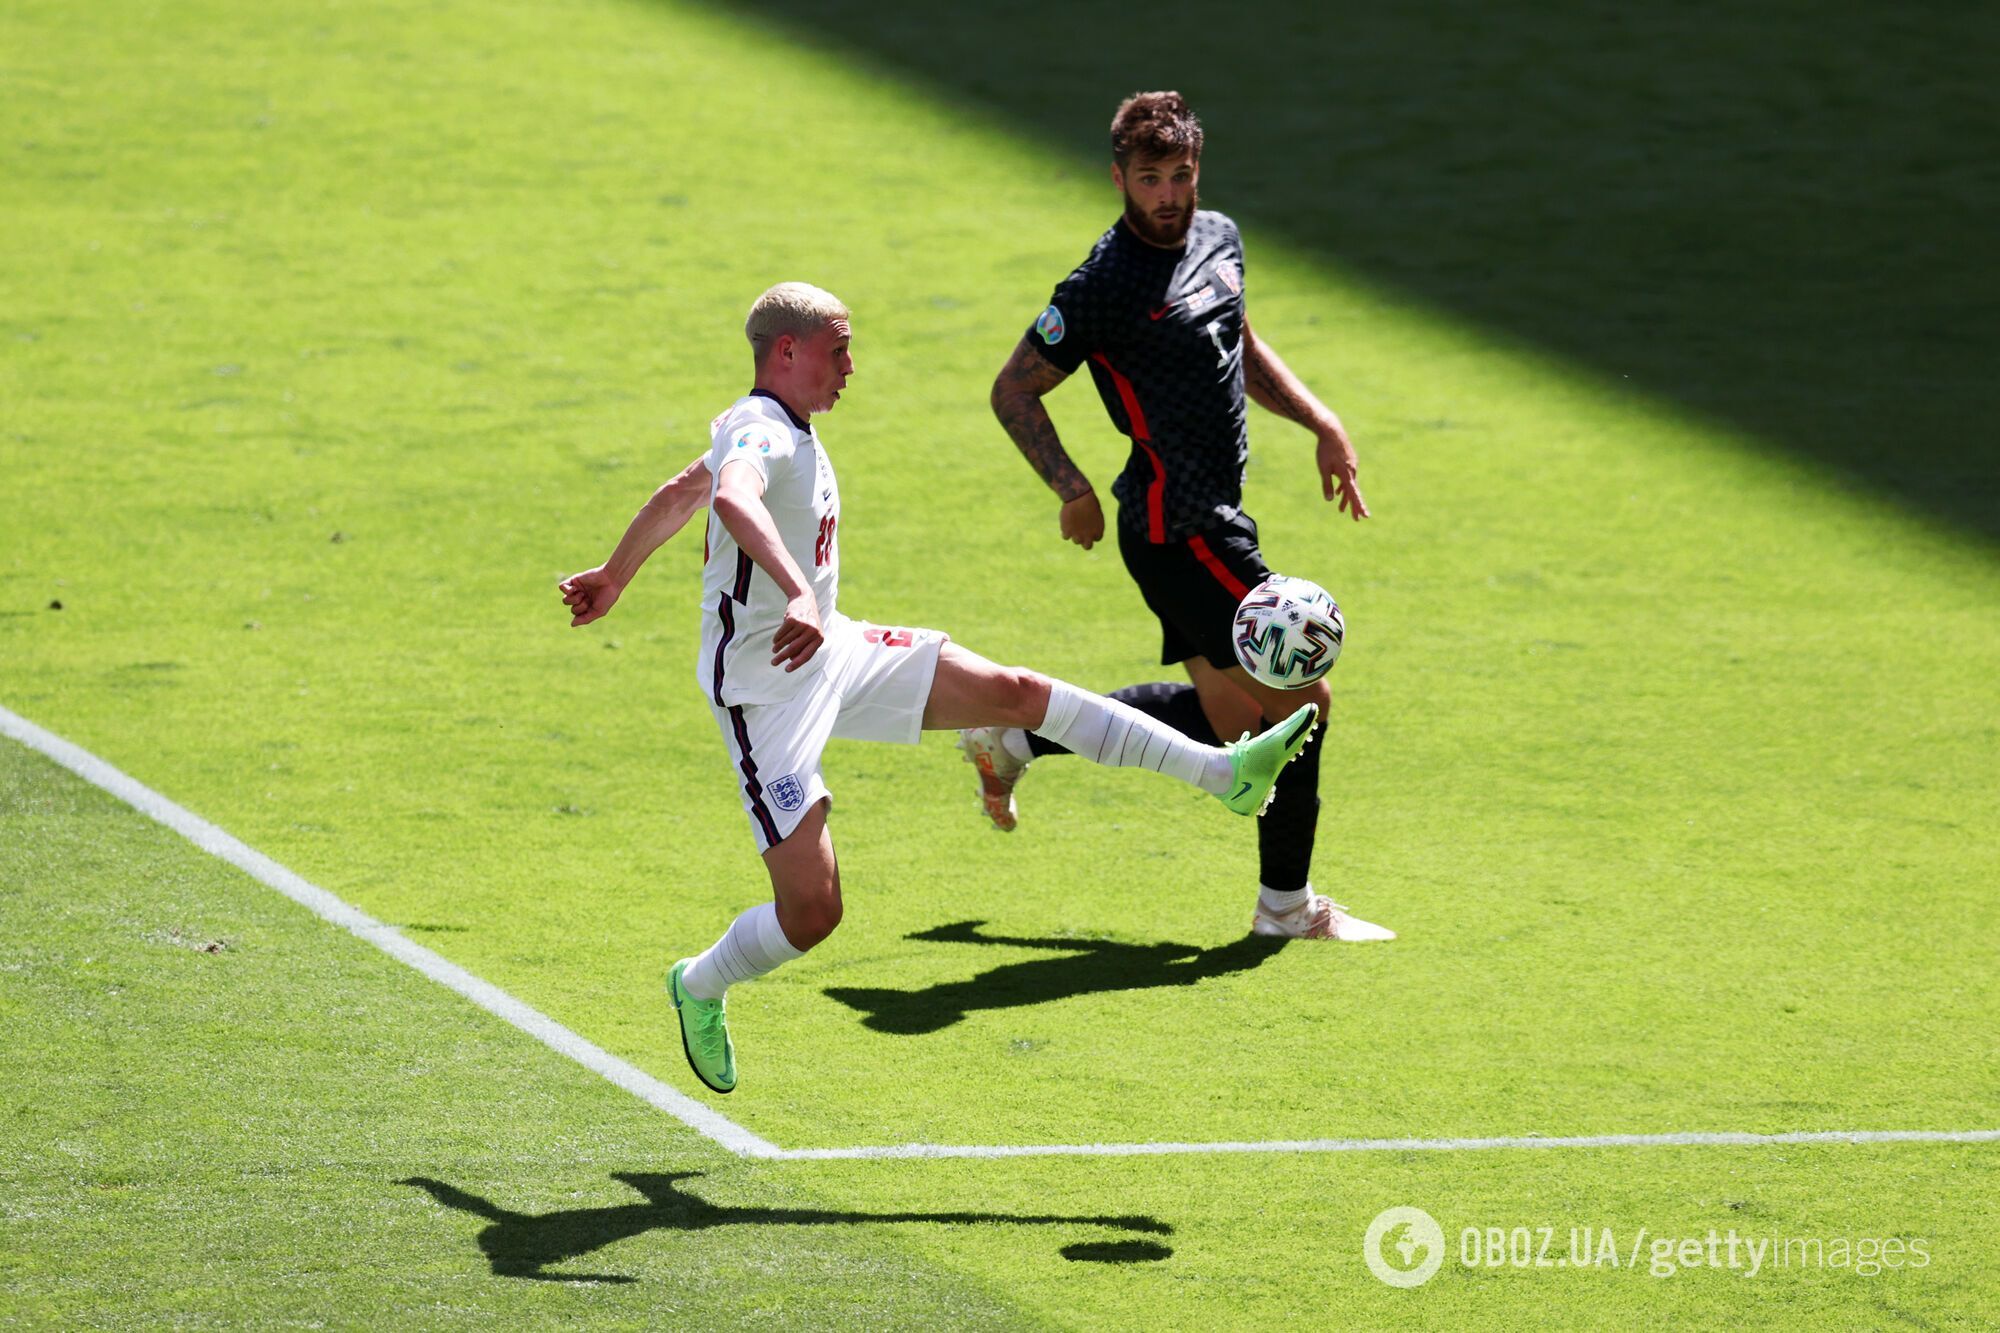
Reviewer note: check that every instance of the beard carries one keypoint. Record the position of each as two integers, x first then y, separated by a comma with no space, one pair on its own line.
1167,235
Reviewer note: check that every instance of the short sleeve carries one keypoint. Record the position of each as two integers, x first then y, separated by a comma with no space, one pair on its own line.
1065,333
761,444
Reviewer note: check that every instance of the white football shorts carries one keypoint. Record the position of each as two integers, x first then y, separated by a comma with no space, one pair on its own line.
873,687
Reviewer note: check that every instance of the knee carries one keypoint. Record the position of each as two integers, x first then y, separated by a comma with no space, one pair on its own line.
1291,701
1232,712
810,917
1024,694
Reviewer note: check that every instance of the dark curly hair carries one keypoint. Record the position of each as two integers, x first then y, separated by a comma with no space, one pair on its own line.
1153,125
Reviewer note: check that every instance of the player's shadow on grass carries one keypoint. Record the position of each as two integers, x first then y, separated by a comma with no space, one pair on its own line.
1089,967
526,1245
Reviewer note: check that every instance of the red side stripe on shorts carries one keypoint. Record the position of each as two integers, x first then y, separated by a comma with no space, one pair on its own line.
1156,490
1236,586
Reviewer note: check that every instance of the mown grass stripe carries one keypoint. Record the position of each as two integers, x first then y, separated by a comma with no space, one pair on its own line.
728,1133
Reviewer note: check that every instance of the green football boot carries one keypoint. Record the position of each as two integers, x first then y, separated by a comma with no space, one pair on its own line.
704,1033
1254,764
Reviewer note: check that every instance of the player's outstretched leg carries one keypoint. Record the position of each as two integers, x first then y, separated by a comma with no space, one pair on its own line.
970,691
1002,754
805,886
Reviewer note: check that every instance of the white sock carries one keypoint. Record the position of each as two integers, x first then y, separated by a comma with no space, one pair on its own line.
1277,902
1120,736
1015,742
754,944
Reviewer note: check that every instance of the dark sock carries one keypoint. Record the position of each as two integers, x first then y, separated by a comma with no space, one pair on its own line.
1285,833
1176,705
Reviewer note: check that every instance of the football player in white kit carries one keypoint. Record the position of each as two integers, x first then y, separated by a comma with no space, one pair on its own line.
784,671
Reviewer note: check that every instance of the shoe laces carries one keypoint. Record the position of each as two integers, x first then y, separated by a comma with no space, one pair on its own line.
709,1033
1328,914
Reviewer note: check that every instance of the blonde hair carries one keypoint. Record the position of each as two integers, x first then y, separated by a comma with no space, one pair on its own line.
797,308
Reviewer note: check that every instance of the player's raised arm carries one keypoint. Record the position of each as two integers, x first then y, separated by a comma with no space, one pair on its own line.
1017,401
739,504
1272,386
590,595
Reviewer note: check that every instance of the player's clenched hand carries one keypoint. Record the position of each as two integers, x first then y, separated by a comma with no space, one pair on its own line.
800,636
589,595
1336,473
1083,520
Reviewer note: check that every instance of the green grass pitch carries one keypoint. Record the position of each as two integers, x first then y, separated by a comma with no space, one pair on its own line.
333,335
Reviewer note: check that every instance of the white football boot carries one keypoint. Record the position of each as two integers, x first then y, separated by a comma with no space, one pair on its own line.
1317,918
999,769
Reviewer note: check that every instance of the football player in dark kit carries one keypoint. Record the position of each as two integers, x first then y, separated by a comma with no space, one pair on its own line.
1157,313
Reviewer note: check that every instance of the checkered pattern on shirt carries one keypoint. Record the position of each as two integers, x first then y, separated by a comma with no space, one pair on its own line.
1162,332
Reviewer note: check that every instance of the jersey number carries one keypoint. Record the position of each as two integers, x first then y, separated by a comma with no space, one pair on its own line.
888,638
823,547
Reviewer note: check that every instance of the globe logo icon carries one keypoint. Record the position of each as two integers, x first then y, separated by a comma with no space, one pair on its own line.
1404,1246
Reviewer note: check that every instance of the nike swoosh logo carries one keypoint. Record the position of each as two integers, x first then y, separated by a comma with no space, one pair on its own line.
1240,794
1162,311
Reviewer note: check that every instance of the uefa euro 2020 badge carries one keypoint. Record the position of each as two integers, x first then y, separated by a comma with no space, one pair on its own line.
759,438
1050,326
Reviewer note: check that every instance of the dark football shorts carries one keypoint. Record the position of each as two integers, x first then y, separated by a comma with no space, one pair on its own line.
1193,586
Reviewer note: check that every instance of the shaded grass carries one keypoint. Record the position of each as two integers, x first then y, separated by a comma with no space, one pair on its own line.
1772,215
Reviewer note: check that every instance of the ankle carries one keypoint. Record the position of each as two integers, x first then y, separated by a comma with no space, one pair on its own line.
1279,902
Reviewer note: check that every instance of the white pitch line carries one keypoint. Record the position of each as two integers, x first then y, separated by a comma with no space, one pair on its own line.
1690,1140
386,938
726,1132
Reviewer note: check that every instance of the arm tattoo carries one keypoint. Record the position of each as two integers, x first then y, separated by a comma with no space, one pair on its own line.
1277,389
1017,401
1273,386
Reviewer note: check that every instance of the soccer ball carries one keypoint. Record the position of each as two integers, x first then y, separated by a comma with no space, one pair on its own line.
1288,632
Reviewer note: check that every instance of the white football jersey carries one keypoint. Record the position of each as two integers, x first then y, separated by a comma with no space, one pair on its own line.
741,607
